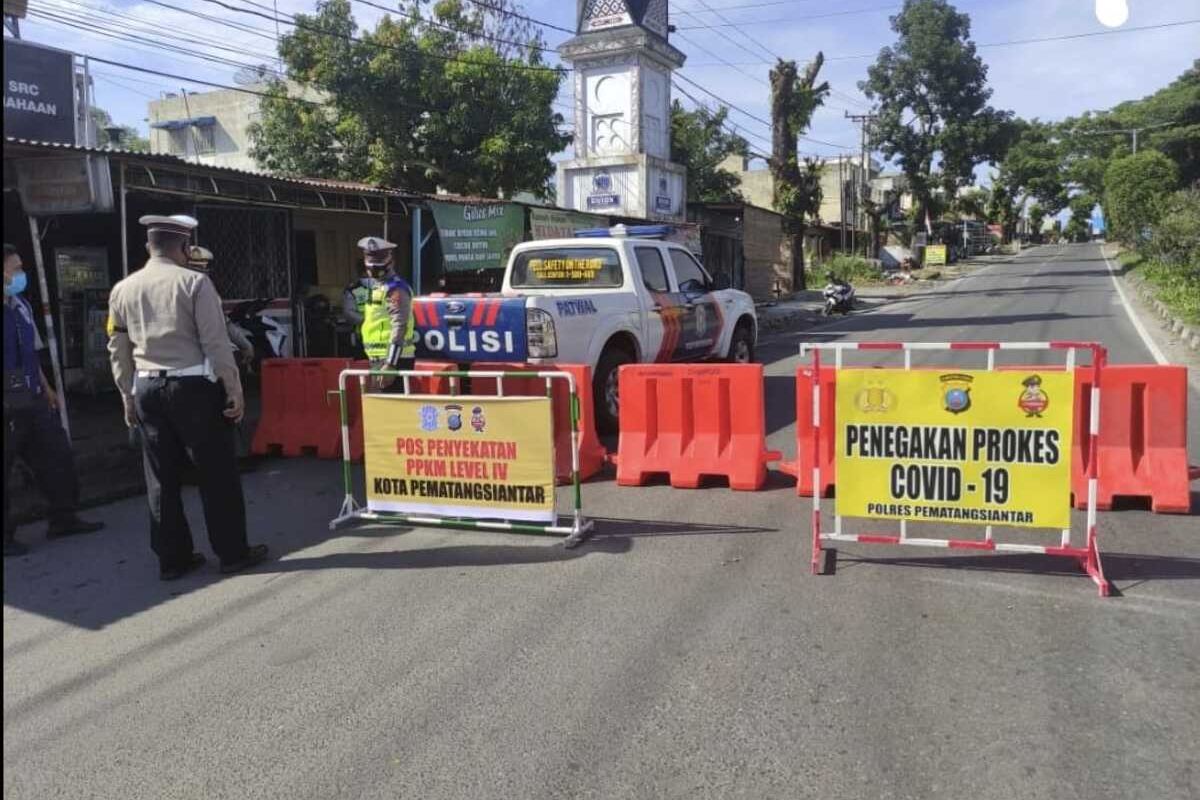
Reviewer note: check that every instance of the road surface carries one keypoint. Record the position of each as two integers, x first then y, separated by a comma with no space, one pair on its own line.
684,653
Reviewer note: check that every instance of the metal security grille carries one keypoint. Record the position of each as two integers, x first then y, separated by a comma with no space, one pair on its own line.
251,253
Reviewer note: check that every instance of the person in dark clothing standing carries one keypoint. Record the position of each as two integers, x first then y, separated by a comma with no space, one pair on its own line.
32,431
173,364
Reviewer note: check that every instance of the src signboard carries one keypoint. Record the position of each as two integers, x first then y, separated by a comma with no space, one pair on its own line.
39,93
975,447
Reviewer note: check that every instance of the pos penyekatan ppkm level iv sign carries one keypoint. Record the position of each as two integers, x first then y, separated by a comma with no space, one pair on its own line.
483,458
969,446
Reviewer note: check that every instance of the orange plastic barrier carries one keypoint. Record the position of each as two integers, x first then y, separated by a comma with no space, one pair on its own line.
1143,437
422,385
691,420
1142,444
297,414
802,469
592,454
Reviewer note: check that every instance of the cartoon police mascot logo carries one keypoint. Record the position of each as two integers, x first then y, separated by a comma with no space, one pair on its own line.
875,398
1033,400
454,417
956,392
478,423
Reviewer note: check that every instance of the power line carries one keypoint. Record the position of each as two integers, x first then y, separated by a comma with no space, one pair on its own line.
704,49
739,31
787,20
506,12
416,17
745,113
411,52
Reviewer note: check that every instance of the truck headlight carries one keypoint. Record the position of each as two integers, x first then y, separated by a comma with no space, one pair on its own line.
539,333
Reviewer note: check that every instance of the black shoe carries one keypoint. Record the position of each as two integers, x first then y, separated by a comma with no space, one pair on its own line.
255,554
14,548
194,562
71,526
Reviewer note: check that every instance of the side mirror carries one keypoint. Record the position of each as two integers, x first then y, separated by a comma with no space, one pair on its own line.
722,281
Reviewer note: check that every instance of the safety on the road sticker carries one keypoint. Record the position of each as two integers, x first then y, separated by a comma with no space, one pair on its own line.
483,458
965,446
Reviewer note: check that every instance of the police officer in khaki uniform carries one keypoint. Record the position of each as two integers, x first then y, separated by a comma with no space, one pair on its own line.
173,364
388,334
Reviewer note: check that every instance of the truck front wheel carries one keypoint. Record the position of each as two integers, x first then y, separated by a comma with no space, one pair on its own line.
741,346
606,388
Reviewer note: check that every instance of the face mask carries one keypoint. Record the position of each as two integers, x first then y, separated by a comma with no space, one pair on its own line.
19,281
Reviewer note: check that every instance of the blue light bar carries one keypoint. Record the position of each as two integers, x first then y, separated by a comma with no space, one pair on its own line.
638,231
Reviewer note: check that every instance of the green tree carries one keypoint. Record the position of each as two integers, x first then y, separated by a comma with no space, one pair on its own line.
797,191
109,134
931,92
700,142
1136,188
419,102
1037,218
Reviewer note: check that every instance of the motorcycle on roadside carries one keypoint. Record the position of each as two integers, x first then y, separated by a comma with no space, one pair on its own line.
839,297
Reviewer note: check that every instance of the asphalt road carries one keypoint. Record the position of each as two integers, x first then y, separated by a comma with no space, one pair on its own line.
684,652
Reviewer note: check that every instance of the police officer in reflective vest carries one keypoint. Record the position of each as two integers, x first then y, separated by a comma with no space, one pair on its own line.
173,364
354,300
387,330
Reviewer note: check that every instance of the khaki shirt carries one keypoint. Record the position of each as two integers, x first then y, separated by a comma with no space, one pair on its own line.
165,316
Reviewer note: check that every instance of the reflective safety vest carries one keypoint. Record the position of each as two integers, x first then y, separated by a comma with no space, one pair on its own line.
361,295
376,327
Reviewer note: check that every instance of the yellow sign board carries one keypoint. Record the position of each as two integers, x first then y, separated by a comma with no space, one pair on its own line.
566,269
969,446
482,458
935,255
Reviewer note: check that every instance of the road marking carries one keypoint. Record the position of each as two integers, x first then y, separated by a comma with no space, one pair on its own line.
1159,358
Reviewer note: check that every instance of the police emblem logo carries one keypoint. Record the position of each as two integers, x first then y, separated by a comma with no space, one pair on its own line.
602,182
478,422
956,392
875,398
1033,400
429,418
454,419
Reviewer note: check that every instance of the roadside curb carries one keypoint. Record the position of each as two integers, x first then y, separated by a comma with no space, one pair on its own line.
1188,335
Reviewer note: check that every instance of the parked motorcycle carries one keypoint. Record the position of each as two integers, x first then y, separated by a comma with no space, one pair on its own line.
267,335
839,298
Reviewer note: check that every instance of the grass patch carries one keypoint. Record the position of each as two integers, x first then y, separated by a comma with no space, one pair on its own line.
852,269
1176,286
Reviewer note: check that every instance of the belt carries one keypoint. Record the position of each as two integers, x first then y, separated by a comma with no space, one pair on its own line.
198,371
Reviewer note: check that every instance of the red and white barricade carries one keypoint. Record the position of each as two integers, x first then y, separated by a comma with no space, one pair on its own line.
1086,555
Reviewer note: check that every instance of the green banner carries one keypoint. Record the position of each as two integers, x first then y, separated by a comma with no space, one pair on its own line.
553,223
477,235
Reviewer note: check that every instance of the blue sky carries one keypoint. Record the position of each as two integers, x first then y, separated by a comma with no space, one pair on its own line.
1045,80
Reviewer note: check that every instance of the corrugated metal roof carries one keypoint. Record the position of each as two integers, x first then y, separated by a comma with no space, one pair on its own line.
167,159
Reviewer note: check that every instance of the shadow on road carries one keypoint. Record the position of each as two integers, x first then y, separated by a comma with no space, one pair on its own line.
1118,567
610,529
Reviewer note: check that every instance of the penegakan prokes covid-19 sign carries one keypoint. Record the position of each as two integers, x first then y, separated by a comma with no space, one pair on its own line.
975,447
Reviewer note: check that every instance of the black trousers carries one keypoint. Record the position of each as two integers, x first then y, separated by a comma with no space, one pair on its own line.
36,437
181,422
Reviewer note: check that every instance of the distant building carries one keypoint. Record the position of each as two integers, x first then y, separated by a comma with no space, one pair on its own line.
837,176
209,127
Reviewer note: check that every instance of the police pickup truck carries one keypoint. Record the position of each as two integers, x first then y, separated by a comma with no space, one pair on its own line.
609,297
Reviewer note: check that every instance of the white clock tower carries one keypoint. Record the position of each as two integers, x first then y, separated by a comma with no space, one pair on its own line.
623,65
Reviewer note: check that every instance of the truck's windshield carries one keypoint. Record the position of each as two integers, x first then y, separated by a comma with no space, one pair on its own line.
567,267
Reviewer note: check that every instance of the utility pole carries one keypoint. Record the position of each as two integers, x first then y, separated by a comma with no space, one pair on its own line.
863,189
1131,131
